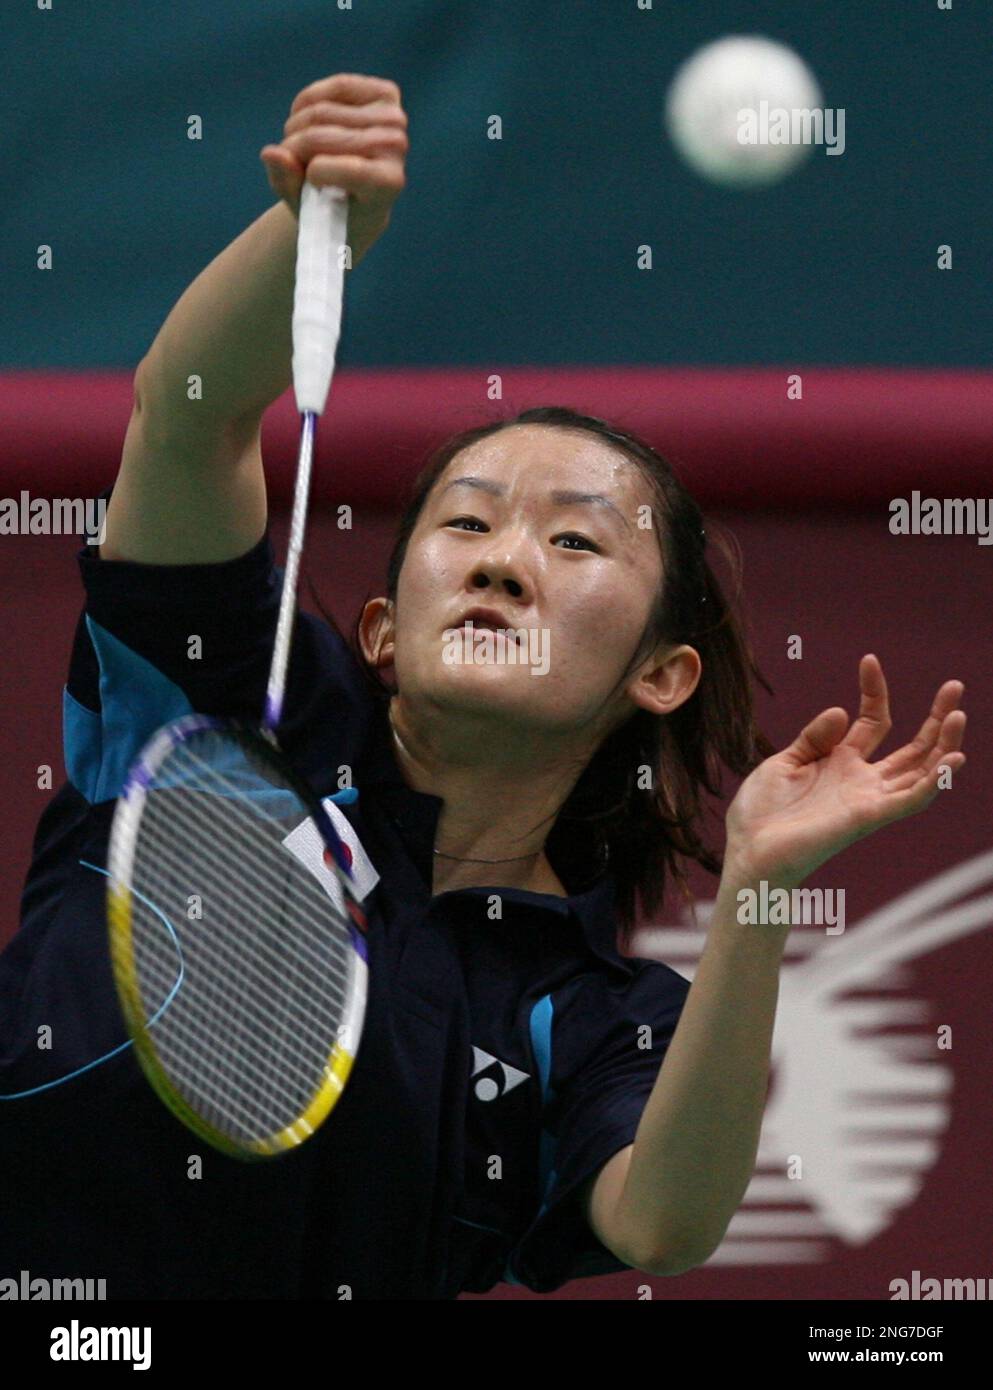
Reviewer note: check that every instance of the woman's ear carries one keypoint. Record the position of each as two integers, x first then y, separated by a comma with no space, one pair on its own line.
376,634
666,685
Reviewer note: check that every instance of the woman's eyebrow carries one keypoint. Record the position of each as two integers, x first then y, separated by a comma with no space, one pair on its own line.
566,497
562,496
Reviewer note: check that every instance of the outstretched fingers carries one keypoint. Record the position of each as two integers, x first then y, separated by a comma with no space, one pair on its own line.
932,737
924,769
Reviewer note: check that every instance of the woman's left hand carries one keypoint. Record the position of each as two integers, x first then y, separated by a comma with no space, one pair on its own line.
800,807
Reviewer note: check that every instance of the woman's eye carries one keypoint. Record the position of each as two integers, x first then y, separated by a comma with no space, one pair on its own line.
575,536
474,523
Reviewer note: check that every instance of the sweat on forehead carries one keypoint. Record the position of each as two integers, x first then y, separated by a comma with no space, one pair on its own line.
594,473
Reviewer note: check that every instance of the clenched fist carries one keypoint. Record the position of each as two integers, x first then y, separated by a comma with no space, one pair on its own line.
349,131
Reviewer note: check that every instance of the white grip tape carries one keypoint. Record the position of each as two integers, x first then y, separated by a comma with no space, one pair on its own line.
318,292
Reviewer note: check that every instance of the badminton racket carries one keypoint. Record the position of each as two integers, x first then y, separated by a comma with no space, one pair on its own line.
237,941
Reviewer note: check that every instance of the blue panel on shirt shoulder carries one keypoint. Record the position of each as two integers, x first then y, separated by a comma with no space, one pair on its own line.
136,699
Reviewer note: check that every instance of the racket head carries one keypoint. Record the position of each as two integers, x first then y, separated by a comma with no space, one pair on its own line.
246,1016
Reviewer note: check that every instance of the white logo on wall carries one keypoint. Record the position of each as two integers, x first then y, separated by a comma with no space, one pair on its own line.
866,1110
501,1076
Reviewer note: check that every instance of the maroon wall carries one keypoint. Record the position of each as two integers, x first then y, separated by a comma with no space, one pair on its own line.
843,583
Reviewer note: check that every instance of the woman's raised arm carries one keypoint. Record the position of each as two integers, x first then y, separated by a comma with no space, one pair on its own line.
191,488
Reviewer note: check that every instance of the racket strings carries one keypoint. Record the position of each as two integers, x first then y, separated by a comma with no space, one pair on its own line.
266,964
225,982
200,936
261,885
195,939
266,1053
211,775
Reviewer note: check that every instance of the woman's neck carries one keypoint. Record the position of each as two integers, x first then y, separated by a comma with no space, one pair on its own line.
494,819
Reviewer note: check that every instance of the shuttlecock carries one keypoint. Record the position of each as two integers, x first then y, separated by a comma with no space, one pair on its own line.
735,111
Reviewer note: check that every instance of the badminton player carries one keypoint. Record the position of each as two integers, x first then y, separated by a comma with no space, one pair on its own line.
530,1103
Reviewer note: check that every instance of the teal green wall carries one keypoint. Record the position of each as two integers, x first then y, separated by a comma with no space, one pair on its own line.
516,251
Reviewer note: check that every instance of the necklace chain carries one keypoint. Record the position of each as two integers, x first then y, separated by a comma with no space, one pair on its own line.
512,860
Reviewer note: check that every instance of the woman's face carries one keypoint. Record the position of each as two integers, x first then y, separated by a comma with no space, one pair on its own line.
506,528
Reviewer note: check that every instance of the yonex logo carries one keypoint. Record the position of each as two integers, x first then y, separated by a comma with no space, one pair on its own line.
502,1076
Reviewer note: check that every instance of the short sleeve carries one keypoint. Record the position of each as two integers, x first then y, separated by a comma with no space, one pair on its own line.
157,642
608,1044
206,629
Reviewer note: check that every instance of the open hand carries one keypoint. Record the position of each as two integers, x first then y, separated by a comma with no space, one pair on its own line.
800,807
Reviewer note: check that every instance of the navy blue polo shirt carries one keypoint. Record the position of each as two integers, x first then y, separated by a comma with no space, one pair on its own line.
504,1058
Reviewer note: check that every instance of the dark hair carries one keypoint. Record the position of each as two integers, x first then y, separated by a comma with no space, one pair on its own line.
608,819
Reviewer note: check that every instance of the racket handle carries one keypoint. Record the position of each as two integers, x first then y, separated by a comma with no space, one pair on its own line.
318,292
